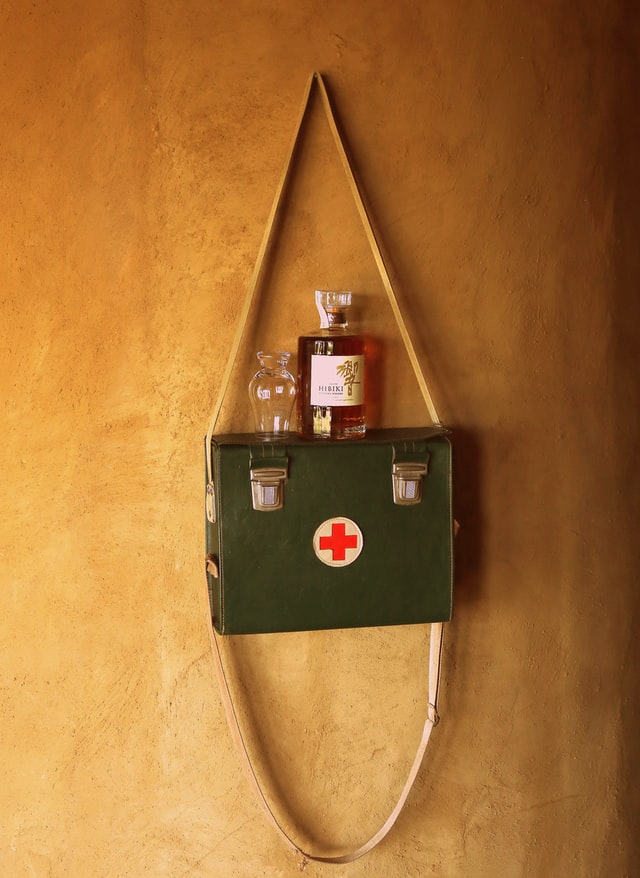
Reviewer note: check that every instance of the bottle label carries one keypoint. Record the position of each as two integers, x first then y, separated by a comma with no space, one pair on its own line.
337,380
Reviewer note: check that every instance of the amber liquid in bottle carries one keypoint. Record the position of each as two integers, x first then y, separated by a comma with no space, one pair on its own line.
331,373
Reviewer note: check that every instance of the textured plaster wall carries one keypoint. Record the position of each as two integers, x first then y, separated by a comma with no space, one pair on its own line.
140,147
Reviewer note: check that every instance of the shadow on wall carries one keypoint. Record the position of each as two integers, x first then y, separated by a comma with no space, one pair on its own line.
621,156
468,512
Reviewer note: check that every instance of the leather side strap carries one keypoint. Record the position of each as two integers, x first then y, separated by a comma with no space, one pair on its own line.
257,270
375,249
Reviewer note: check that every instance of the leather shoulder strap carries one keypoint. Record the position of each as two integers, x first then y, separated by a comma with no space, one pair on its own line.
435,649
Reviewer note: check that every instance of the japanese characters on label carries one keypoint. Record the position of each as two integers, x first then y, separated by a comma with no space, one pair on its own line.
337,381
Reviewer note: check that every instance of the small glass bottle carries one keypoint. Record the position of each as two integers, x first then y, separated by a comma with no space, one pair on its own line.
331,402
272,391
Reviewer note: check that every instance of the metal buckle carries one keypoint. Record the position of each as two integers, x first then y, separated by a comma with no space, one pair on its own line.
407,482
267,488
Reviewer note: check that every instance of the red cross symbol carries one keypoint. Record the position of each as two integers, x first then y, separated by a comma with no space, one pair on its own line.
338,542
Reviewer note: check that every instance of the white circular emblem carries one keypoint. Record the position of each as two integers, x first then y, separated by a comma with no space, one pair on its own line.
338,542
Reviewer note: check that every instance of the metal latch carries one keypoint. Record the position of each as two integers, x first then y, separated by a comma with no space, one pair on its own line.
407,482
210,503
267,487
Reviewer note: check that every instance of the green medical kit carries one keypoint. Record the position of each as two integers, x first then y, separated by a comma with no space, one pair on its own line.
391,496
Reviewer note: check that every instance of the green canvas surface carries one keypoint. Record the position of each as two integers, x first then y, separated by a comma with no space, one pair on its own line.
270,578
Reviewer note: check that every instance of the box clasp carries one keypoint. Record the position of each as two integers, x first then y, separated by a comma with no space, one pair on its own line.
267,487
407,482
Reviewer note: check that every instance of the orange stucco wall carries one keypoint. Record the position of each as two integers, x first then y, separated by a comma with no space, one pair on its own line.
141,144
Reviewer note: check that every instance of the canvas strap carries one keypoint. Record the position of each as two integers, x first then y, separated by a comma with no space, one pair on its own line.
435,647
264,246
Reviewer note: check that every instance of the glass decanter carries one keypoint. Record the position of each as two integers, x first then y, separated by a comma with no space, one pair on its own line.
272,392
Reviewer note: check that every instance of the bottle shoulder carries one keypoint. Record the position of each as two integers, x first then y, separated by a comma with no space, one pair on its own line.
342,332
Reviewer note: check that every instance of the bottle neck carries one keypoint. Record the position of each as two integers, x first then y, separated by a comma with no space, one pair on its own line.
273,362
337,319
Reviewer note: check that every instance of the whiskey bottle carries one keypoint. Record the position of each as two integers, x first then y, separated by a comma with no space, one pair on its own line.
331,374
